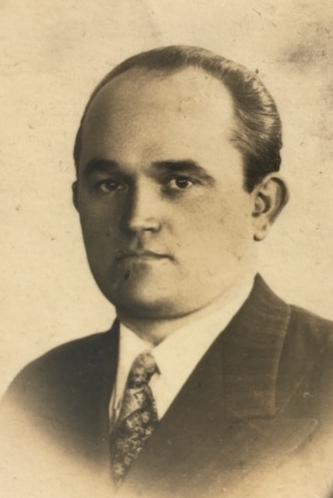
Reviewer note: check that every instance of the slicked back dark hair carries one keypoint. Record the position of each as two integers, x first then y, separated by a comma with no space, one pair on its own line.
258,134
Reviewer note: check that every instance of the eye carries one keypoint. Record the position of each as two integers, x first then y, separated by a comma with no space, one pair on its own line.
181,183
110,185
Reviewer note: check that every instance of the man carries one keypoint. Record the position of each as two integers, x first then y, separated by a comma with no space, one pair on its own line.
207,383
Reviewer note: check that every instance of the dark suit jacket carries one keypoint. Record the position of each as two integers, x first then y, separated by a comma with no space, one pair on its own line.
254,418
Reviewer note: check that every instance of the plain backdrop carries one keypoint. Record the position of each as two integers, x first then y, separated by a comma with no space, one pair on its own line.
53,54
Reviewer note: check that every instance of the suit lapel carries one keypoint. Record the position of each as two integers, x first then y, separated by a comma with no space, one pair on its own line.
95,374
252,347
222,422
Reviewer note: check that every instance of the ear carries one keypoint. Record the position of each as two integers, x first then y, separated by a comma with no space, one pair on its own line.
75,188
270,197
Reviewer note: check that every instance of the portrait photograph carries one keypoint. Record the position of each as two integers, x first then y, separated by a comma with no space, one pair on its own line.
166,258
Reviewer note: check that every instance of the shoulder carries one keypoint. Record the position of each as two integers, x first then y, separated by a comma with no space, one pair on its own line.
301,325
310,320
309,341
306,364
310,330
66,357
65,369
60,396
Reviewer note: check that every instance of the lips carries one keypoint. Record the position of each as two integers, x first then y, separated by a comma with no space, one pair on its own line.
142,255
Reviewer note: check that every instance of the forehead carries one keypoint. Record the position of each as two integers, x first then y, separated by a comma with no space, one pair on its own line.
139,90
186,84
188,106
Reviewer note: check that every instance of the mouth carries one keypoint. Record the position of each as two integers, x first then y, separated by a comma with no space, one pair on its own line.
142,255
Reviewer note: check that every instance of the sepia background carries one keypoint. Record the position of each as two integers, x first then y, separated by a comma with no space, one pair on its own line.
53,54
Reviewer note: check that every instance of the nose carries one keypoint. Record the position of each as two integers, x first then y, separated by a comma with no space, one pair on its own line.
142,210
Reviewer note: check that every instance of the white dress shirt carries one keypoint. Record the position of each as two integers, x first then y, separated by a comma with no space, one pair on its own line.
176,356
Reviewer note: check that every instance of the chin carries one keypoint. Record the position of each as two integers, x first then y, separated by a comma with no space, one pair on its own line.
139,307
140,290
143,301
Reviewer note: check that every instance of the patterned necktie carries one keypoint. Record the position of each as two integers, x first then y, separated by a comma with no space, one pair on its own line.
137,419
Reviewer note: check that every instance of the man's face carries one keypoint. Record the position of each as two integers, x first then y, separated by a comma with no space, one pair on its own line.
166,222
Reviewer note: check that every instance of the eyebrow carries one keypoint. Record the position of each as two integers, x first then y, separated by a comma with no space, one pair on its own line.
99,165
169,166
184,166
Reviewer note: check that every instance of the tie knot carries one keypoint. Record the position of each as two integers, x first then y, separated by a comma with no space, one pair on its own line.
143,367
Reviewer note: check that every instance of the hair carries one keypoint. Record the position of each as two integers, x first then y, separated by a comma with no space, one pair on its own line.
258,134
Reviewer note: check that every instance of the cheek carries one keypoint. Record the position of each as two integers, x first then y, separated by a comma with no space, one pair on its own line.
99,240
237,233
214,236
98,222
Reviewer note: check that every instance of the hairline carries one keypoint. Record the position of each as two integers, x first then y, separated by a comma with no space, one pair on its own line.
166,71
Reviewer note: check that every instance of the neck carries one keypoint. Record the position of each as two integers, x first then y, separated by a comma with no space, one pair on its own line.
155,329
